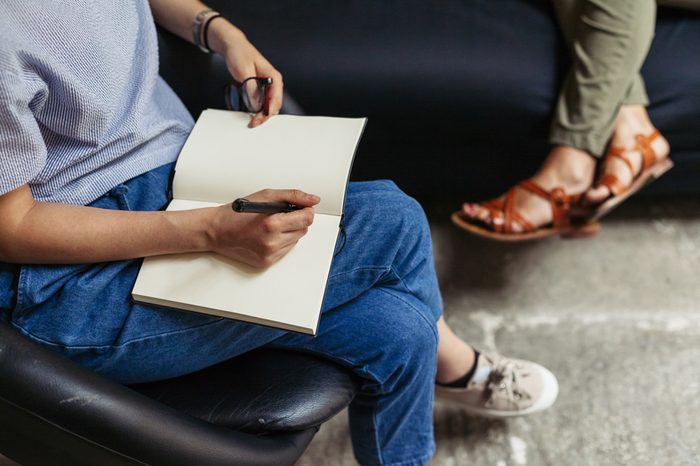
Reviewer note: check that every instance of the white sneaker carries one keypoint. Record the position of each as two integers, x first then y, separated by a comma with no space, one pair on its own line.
504,387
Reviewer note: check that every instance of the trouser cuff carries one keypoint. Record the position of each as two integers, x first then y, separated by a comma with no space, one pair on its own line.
591,143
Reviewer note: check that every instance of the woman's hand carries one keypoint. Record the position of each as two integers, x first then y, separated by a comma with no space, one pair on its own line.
34,232
244,61
260,240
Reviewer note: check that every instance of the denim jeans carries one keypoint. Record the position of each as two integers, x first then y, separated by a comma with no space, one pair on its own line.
379,317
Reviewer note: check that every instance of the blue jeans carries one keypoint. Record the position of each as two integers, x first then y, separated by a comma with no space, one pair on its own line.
379,317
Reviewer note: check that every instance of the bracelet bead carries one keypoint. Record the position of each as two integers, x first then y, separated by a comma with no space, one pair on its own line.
199,27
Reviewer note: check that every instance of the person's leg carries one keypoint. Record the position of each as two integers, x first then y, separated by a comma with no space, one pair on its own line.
379,319
603,99
382,317
632,121
568,13
609,40
85,311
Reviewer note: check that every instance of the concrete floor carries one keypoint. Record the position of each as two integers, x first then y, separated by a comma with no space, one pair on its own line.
616,318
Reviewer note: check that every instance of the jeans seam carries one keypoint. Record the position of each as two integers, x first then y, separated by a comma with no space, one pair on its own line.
380,453
386,289
111,347
357,269
21,285
123,201
384,268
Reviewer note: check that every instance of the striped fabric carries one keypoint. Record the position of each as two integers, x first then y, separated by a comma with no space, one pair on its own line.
82,107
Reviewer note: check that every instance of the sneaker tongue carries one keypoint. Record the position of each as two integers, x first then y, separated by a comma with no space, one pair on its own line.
482,374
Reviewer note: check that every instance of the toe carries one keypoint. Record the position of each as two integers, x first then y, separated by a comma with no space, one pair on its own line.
596,195
471,210
476,212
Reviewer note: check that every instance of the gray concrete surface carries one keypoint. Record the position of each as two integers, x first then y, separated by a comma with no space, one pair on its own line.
616,318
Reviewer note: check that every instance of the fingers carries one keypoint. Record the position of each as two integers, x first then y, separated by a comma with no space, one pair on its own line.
275,95
261,240
277,246
297,221
288,221
293,196
273,99
300,198
257,120
268,261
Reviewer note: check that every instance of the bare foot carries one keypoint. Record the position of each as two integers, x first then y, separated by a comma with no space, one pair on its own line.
566,167
632,120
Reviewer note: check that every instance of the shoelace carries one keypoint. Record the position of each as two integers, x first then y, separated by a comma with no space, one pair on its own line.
503,381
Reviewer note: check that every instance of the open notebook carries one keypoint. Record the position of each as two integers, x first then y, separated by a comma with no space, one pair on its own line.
223,160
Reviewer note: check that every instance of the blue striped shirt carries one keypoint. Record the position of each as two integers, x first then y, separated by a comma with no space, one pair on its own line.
82,107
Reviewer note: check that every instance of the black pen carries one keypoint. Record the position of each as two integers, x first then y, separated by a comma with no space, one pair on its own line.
244,205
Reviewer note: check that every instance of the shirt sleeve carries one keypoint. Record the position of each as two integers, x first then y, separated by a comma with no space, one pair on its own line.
22,147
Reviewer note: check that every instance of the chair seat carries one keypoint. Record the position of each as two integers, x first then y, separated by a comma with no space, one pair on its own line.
53,411
264,391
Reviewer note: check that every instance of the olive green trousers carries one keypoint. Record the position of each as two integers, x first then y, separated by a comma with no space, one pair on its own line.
608,41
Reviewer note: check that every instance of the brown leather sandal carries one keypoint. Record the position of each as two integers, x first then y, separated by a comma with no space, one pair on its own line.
652,168
504,217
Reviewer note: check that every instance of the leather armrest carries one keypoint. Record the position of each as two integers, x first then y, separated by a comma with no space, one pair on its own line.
52,410
261,392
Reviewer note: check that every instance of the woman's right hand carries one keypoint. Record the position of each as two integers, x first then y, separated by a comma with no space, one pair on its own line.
260,240
33,232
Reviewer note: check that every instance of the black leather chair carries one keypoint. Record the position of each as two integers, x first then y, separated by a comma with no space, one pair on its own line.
262,408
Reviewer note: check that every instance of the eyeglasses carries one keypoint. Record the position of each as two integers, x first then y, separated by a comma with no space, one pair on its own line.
249,96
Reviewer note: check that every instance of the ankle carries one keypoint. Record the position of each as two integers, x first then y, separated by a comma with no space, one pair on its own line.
454,362
632,120
463,380
568,167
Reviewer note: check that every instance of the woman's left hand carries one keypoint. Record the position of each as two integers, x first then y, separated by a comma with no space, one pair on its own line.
244,61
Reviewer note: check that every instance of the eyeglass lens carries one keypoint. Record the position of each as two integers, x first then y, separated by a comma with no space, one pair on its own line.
253,94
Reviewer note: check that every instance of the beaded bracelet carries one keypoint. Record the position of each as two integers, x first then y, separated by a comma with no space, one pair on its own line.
201,21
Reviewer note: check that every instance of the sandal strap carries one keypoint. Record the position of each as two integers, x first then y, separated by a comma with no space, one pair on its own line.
644,146
613,184
495,208
525,226
508,211
503,214
621,153
559,201
511,216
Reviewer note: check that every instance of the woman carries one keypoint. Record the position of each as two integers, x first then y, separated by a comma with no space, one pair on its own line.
600,122
88,137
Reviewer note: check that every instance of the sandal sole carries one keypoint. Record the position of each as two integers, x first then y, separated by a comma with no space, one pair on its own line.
652,174
586,230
